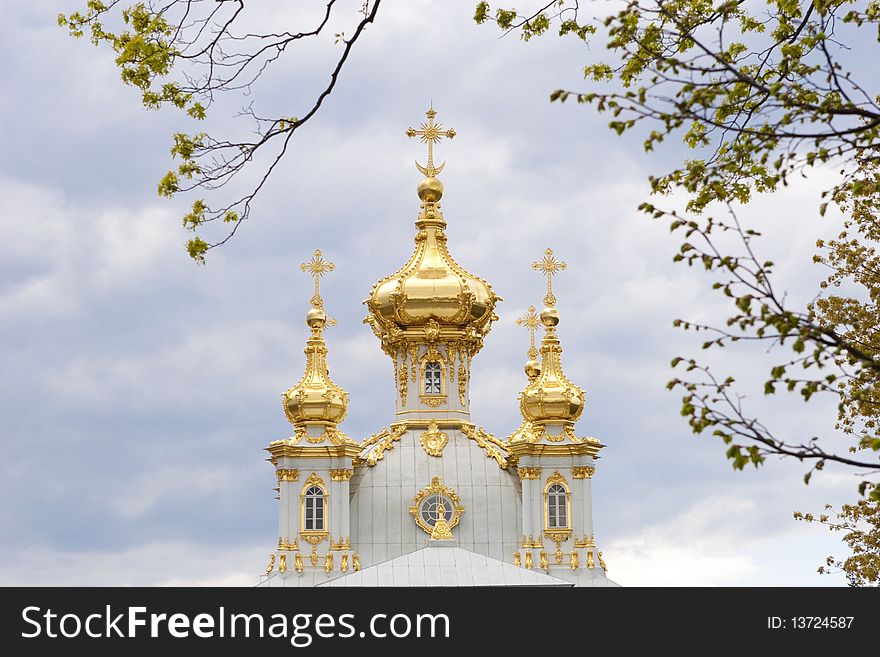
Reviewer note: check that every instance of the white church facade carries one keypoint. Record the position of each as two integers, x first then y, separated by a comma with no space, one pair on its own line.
434,499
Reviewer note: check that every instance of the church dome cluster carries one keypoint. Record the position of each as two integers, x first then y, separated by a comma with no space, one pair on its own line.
518,505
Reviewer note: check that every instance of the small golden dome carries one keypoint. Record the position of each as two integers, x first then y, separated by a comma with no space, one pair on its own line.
551,396
550,317
430,190
316,318
532,369
315,399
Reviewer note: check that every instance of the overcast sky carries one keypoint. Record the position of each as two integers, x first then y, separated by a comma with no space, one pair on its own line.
138,390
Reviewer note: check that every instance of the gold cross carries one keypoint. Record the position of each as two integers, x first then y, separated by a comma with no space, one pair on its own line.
531,322
430,133
317,267
549,266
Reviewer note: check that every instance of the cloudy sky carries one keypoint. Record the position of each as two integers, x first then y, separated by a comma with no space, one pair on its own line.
138,389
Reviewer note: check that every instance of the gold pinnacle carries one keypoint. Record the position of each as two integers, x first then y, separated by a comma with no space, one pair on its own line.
549,266
531,322
317,267
430,134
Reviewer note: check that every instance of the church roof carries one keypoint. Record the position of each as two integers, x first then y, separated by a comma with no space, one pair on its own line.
445,564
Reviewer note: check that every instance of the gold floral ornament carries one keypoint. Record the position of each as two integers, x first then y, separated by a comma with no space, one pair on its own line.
434,440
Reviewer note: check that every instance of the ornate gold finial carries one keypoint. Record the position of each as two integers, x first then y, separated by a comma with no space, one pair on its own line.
531,323
549,266
430,134
441,531
317,267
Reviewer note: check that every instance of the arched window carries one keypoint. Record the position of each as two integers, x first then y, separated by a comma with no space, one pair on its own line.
557,508
433,375
314,507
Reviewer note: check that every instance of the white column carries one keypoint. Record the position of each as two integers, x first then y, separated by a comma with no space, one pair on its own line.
335,526
538,503
344,509
588,506
527,486
283,511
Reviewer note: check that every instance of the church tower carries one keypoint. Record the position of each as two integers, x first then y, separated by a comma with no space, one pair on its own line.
555,465
314,466
433,499
431,315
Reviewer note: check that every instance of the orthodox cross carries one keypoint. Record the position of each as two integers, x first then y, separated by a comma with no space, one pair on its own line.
317,267
530,322
549,266
430,134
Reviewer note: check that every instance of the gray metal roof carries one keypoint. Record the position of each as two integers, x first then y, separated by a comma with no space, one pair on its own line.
445,564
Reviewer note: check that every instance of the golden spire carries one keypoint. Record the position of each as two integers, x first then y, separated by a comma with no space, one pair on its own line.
531,323
549,266
430,134
550,396
316,399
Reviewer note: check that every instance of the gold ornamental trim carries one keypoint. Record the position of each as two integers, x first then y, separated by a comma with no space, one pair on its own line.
341,474
532,543
287,545
282,448
518,449
384,440
583,471
433,440
493,447
585,541
529,473
342,544
287,474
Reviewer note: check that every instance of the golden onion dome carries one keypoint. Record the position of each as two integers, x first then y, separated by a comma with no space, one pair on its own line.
316,399
431,286
551,396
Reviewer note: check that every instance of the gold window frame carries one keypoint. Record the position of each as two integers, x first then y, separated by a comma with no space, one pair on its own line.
557,534
314,536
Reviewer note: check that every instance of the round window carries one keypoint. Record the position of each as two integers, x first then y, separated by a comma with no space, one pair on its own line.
430,506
